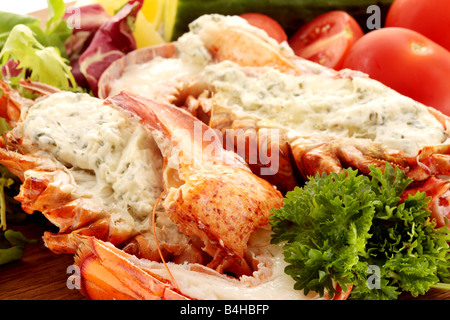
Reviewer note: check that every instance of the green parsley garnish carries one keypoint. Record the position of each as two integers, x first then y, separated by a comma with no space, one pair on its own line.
354,230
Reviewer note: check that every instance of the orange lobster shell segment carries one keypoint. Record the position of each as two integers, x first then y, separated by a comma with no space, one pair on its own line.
107,273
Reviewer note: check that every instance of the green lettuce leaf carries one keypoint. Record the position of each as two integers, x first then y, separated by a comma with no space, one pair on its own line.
12,246
37,62
54,34
9,20
57,30
30,50
5,182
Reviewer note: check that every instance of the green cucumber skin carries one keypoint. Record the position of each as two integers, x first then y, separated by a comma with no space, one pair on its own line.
291,14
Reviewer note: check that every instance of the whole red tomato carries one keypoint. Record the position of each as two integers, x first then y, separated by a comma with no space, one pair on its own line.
327,39
428,17
271,26
406,61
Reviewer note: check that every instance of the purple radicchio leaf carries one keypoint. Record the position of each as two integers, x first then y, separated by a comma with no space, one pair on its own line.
85,21
112,40
10,70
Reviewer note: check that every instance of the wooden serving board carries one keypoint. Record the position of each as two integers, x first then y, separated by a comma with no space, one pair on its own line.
40,274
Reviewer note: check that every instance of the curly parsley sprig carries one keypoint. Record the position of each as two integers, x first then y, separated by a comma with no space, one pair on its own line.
341,228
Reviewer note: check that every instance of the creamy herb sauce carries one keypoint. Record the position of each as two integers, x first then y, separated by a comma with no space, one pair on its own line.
108,154
311,103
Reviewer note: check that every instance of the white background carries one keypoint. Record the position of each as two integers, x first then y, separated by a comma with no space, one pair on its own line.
24,6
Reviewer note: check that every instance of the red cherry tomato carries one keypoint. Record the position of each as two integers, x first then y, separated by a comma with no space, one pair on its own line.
428,17
262,21
327,39
406,61
341,295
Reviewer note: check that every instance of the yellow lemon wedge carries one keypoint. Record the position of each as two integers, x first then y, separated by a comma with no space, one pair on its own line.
170,13
148,20
153,12
145,32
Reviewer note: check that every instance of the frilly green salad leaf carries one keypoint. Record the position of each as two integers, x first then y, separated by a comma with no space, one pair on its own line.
54,34
42,63
354,230
29,51
10,20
